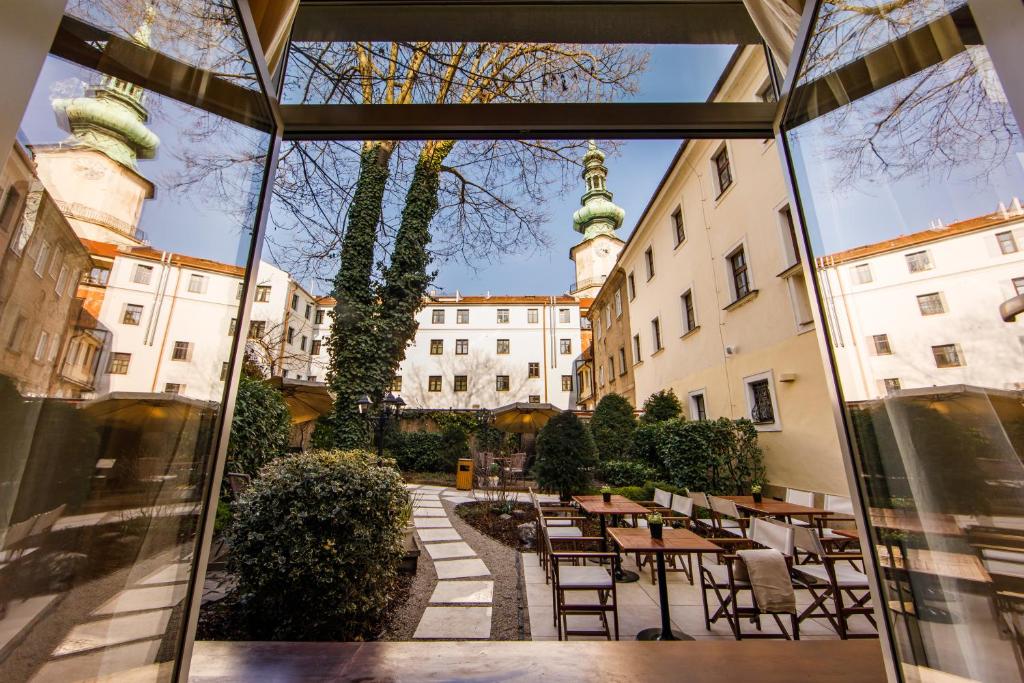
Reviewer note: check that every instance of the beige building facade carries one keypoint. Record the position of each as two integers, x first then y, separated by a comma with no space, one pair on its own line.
612,364
717,303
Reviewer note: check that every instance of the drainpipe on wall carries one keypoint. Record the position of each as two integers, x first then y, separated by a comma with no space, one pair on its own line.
167,327
158,299
544,346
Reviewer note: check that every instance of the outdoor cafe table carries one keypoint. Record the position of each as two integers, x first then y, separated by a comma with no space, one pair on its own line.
671,541
776,508
619,505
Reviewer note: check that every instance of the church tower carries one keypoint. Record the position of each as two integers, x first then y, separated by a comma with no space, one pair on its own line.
93,174
598,218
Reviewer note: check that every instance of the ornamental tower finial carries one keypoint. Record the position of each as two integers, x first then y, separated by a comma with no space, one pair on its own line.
598,215
112,116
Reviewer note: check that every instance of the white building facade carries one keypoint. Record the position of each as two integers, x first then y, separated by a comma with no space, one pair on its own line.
906,310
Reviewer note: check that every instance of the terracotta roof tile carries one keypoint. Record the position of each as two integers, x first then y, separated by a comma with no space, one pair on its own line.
150,254
923,237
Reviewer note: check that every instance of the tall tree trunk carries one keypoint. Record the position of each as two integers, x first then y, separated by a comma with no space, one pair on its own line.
352,329
406,278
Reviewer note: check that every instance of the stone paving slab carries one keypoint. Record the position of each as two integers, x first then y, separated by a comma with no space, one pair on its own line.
434,535
445,551
432,522
447,623
429,512
463,592
460,569
427,504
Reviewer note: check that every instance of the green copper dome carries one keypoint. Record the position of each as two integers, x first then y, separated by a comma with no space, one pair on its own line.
598,215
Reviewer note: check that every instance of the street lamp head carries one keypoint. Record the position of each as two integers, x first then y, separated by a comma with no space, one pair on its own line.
399,403
364,403
390,399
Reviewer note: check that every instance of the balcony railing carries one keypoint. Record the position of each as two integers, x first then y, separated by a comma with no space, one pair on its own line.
585,283
85,213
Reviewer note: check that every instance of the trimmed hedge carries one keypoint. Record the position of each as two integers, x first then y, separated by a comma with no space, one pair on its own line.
625,473
316,541
423,451
612,426
260,428
565,455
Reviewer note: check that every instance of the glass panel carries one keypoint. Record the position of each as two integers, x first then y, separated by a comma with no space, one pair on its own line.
907,161
463,73
119,278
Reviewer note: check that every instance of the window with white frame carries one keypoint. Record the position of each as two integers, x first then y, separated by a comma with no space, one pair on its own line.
948,356
565,346
196,283
41,256
436,347
175,388
611,368
504,347
62,281
44,339
118,363
607,318
919,261
722,168
618,302
790,245
862,273
1007,243
563,316
931,304
800,298
462,316
142,275
678,229
649,262
656,336
318,319
762,404
600,376
689,314
566,382
1018,285
533,370
502,316
532,316
881,344
501,383
891,385
739,273
462,347
11,205
182,351
263,293
437,316
636,348
56,261
631,286
698,405
132,314
622,360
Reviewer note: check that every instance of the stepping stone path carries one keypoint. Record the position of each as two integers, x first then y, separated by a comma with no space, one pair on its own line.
460,607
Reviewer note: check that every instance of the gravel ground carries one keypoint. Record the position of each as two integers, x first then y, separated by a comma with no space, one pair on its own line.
509,603
406,618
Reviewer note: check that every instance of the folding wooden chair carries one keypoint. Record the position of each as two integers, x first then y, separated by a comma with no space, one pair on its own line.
572,579
839,591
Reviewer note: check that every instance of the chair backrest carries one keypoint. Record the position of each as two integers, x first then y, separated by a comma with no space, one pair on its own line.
699,499
724,507
239,482
805,539
663,498
840,504
682,505
518,460
798,497
770,535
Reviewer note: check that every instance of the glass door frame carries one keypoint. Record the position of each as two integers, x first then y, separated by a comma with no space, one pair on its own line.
997,20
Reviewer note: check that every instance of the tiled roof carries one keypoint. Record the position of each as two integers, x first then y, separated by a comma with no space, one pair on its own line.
150,254
923,237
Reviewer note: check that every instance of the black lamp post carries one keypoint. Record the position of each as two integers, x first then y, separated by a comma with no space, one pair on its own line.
390,405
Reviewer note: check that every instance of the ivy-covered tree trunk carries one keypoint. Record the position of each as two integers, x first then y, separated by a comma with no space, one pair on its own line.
406,279
352,329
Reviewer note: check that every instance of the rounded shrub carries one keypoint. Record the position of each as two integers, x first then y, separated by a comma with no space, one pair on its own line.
260,428
613,425
316,542
660,406
565,455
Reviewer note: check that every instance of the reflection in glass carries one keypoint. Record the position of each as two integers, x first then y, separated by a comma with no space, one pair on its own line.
125,220
909,178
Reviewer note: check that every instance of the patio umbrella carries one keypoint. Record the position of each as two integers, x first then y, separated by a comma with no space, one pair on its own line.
523,418
306,400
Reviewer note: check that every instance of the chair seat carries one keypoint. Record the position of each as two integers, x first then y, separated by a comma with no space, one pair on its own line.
554,521
720,574
846,576
584,577
565,532
733,531
796,521
729,523
830,535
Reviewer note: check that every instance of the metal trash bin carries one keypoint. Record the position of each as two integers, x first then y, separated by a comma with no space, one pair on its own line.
464,475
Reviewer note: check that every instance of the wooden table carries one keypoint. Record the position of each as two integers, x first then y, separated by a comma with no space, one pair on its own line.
776,508
671,541
847,533
619,505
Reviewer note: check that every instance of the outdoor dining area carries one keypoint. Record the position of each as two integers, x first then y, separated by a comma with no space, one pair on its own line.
740,567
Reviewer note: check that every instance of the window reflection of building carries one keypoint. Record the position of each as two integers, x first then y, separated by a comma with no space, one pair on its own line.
929,313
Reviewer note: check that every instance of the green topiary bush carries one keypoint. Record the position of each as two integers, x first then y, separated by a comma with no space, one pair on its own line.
260,428
565,455
316,542
424,451
625,473
646,440
660,406
612,426
715,456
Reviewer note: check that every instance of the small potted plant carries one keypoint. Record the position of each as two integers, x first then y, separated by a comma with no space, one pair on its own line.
755,490
655,522
606,494
493,471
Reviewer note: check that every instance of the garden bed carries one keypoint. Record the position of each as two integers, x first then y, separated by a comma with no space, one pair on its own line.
502,526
